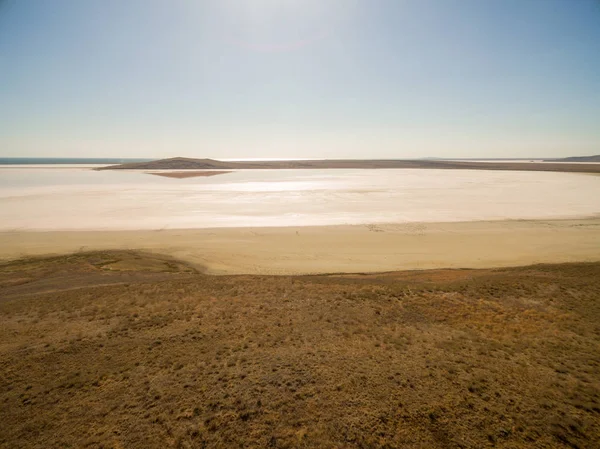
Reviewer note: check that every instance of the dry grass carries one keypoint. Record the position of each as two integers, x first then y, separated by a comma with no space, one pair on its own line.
124,350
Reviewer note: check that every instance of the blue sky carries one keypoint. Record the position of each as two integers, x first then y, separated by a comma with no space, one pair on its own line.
299,78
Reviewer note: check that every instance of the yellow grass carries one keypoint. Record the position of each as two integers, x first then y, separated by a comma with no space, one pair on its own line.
121,349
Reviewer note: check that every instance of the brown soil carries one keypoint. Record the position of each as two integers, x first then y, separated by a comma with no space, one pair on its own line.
189,174
126,350
181,163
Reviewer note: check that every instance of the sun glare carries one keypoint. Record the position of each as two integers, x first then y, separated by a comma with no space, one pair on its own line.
281,25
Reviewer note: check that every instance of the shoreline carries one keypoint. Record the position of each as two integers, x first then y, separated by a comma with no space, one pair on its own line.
335,249
182,163
188,174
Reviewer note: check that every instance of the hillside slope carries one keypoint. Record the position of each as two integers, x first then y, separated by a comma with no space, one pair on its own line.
595,158
136,351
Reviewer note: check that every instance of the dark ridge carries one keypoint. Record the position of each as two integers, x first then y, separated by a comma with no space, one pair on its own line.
595,158
181,163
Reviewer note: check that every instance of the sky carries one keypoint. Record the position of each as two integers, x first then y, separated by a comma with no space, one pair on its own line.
299,78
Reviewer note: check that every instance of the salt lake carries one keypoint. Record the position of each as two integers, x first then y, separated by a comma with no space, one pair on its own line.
79,198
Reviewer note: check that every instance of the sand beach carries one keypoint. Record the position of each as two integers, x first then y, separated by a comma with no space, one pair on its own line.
336,249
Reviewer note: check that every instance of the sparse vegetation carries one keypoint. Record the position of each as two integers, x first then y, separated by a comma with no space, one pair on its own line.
133,350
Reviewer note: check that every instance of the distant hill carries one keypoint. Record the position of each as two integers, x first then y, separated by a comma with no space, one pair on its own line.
595,158
182,163
174,163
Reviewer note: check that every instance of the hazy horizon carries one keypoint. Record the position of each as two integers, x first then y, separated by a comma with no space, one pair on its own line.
103,160
300,79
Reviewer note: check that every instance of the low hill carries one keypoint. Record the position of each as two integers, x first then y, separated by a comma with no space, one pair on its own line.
174,163
595,158
182,163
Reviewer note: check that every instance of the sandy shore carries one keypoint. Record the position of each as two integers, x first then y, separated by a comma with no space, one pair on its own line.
188,174
330,249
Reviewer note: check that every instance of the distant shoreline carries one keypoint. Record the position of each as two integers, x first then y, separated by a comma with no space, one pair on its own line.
212,164
189,174
9,161
583,164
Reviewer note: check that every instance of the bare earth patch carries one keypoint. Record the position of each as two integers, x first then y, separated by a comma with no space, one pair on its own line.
121,349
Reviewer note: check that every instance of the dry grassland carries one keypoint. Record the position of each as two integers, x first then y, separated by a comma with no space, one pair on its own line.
130,350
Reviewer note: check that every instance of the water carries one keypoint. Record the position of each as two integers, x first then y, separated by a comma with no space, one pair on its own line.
83,199
65,161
